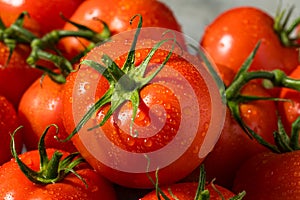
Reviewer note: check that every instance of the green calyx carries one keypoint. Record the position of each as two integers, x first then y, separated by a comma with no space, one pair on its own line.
201,192
283,143
285,30
233,99
17,34
52,170
125,81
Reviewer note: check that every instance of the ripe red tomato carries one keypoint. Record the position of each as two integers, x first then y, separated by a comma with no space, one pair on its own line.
173,123
289,111
41,105
270,176
117,14
187,191
17,75
232,36
234,146
8,123
44,15
17,186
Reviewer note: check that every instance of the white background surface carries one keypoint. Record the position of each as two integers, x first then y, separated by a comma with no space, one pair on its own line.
195,15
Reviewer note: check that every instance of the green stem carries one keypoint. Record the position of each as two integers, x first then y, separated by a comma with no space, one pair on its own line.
17,34
51,170
277,77
233,90
281,21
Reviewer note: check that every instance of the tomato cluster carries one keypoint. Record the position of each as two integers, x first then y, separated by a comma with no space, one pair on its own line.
107,99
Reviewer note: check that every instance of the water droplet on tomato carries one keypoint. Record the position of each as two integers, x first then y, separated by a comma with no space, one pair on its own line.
135,134
130,141
50,192
297,174
196,149
94,76
167,106
187,111
138,54
114,132
148,142
140,116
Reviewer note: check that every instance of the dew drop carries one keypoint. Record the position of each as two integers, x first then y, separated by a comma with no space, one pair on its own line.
130,141
50,192
167,106
94,76
196,150
148,142
135,134
140,116
297,174
95,189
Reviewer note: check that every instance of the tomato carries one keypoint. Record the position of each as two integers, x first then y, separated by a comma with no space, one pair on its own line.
270,176
173,123
17,186
41,105
187,191
17,75
8,123
117,14
232,36
44,15
289,111
234,146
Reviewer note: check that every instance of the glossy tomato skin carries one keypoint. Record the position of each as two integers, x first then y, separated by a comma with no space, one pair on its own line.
232,36
289,111
117,14
44,15
40,106
17,75
234,146
17,186
270,176
81,87
9,122
187,191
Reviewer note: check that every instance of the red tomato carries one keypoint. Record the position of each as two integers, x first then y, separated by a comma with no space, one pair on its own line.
290,110
167,110
234,146
8,123
40,106
44,15
232,36
117,14
187,191
17,186
270,176
16,76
